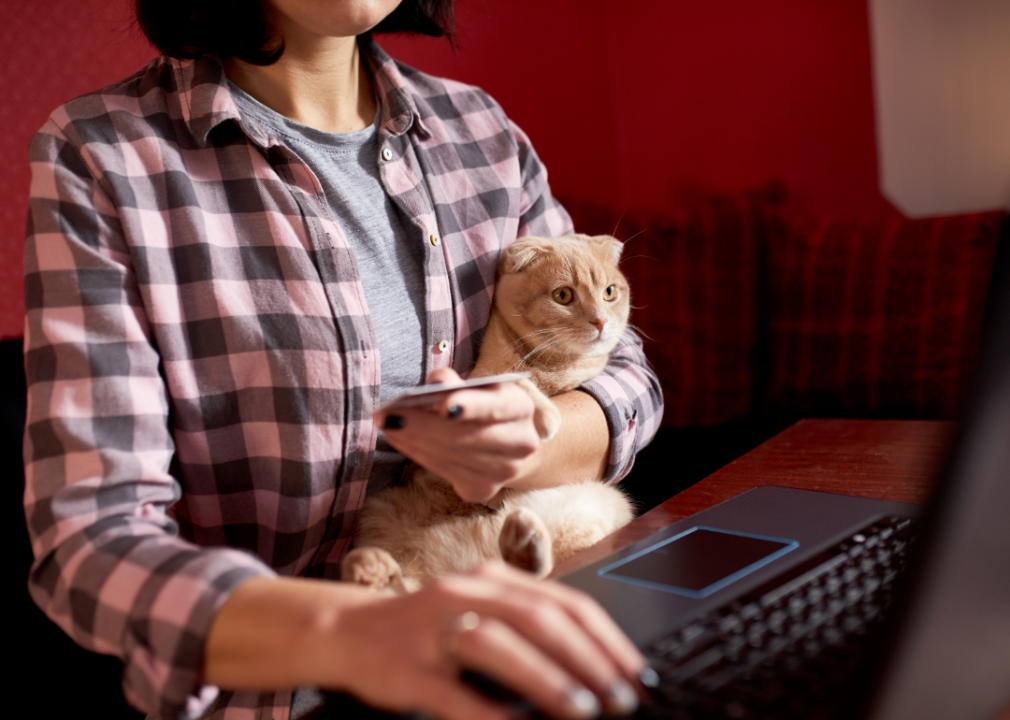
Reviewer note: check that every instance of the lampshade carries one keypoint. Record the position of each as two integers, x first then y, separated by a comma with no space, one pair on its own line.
942,86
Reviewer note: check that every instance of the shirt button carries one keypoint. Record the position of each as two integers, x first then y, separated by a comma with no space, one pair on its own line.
443,346
387,154
434,240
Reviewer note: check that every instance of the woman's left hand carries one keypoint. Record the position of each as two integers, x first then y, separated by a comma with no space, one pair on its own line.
477,439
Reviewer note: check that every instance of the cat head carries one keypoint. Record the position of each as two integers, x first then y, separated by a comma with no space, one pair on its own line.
566,290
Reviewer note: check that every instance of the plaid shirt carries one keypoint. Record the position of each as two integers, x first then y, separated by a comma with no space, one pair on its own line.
202,367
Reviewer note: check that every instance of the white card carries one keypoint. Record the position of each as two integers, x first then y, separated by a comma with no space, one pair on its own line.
435,392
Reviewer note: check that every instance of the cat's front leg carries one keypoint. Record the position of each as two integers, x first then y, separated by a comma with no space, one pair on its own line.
546,416
525,542
374,568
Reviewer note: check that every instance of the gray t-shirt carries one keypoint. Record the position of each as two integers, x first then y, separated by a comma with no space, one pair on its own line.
390,263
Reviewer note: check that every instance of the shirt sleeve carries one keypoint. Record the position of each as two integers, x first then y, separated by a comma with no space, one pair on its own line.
628,389
540,214
109,568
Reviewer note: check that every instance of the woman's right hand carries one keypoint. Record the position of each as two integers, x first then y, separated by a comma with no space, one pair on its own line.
549,643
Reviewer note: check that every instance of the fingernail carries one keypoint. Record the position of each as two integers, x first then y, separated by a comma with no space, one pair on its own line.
582,703
454,411
649,677
393,422
621,698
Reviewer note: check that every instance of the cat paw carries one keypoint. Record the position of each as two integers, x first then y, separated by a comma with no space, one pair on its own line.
546,416
547,420
374,568
525,542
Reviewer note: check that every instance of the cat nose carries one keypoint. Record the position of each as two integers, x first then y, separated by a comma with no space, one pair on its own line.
599,323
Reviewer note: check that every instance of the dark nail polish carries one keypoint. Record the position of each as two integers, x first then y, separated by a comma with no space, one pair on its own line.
393,422
454,411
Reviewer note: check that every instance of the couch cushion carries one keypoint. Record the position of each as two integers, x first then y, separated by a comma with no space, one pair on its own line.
692,275
876,318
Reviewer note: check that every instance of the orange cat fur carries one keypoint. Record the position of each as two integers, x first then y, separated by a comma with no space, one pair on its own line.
560,307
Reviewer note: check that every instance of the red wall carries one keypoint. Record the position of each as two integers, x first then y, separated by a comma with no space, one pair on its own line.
52,51
636,101
627,103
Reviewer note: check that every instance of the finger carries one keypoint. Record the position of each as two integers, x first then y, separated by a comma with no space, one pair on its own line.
446,698
558,635
586,612
505,594
608,654
497,650
446,376
474,444
389,420
498,403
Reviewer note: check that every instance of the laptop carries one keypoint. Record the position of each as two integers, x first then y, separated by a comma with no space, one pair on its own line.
788,603
784,603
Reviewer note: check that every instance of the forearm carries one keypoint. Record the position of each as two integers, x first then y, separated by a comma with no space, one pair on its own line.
276,633
390,650
578,453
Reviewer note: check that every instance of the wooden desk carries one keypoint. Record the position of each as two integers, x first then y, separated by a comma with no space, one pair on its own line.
885,459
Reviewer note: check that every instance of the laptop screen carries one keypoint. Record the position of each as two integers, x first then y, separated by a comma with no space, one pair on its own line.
952,655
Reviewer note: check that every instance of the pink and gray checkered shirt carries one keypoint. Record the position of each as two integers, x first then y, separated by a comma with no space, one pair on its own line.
202,366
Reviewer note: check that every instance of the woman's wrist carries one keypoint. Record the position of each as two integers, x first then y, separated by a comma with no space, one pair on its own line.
276,633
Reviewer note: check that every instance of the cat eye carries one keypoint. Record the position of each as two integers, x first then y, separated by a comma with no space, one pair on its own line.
563,295
610,293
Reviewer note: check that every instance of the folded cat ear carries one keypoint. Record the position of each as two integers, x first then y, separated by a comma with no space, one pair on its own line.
612,245
520,254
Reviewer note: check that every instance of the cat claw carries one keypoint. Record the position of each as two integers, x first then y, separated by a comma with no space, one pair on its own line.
373,568
525,542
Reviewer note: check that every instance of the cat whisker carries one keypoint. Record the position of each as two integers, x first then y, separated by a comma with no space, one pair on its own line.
639,331
625,342
633,257
618,223
564,343
626,241
541,331
559,341
535,351
518,342
551,340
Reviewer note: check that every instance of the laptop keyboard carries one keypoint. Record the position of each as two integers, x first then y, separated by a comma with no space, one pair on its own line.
784,649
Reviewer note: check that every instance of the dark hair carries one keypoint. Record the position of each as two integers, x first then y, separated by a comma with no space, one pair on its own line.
238,28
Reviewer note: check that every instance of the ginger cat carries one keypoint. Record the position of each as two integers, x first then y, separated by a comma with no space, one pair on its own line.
560,307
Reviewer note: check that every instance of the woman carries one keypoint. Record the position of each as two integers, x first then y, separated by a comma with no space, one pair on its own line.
225,252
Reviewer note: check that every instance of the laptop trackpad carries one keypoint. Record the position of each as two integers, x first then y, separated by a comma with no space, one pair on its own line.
698,561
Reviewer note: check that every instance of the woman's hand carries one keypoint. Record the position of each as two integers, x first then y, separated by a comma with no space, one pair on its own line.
551,644
476,439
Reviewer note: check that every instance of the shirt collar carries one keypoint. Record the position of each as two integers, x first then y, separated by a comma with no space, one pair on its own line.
393,90
206,102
